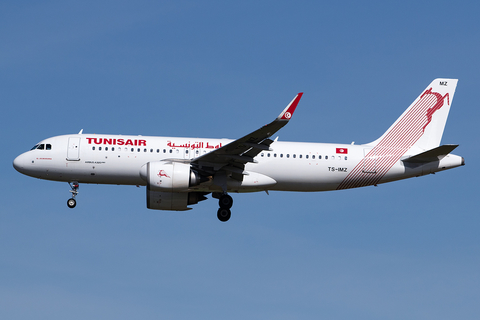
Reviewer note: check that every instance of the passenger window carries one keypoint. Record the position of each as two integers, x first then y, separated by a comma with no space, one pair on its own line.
300,156
275,155
171,150
268,154
281,155
186,151
132,150
261,154
345,157
99,148
138,149
158,150
313,157
294,156
106,148
326,157
306,156
288,155
151,150
93,148
145,150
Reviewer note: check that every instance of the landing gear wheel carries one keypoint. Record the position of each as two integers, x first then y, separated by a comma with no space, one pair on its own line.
225,201
71,203
223,214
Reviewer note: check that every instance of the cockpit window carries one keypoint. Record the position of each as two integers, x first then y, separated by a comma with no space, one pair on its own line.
42,146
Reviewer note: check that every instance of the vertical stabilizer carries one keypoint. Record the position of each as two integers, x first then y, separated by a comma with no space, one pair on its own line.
419,127
422,124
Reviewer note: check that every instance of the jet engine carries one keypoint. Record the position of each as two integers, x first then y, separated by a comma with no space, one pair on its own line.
168,183
170,176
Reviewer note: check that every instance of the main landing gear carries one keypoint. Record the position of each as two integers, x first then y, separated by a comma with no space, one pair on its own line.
71,203
225,202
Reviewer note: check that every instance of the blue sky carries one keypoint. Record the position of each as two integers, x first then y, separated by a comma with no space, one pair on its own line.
405,250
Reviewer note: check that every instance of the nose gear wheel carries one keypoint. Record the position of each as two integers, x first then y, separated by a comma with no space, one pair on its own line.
71,203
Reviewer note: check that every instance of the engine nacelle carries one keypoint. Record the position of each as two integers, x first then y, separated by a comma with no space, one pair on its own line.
175,201
169,176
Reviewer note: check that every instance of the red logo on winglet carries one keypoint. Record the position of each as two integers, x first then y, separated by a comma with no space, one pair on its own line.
291,108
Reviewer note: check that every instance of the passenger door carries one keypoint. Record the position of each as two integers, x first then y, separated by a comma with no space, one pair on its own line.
73,151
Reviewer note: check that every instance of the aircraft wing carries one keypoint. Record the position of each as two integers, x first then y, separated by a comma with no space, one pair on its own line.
233,156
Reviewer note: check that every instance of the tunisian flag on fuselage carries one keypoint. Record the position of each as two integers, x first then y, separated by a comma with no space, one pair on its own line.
342,150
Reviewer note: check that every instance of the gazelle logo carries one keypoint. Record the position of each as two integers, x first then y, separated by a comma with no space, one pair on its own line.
162,173
439,104
288,115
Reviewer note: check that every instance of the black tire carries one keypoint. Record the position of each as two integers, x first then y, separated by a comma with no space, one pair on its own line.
225,201
71,203
224,214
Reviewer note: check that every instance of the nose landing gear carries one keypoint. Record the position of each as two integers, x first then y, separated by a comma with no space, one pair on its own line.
71,203
225,202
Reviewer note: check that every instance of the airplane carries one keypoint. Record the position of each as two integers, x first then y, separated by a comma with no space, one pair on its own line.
180,172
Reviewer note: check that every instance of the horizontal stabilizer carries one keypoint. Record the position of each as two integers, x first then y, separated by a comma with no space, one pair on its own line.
431,155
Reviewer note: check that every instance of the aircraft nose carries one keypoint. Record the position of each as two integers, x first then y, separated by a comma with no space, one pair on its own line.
19,163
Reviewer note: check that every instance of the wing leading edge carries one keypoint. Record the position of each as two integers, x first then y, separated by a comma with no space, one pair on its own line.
232,157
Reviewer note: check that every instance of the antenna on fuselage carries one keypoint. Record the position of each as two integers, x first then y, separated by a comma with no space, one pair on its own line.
81,131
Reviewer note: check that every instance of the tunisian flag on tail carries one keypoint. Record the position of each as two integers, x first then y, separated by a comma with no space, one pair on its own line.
342,150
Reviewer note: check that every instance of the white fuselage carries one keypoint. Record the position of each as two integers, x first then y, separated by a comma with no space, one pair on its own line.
180,172
293,166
